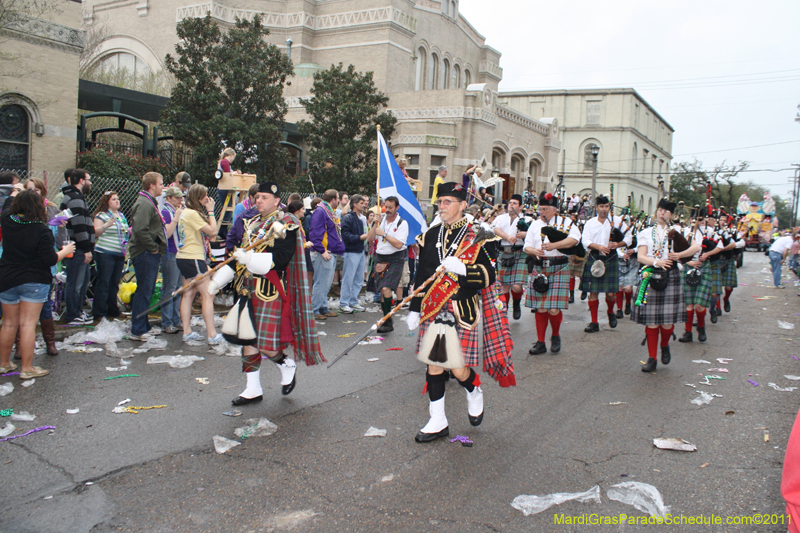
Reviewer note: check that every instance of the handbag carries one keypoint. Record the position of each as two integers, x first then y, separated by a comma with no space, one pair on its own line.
659,279
541,283
380,268
598,268
693,277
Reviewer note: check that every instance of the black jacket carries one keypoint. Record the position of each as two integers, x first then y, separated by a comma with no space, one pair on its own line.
352,230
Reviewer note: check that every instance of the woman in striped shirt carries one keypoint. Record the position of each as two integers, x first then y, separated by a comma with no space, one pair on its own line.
112,231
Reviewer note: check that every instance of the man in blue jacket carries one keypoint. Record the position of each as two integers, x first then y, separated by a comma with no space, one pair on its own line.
354,235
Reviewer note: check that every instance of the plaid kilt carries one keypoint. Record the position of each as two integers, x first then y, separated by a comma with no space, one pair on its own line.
728,278
700,295
628,273
516,275
576,266
663,307
557,296
608,282
393,274
468,338
716,286
268,324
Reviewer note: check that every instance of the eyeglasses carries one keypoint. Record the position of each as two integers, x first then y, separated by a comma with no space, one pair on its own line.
447,202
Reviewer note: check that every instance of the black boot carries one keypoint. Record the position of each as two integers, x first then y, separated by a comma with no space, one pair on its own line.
555,344
584,294
538,348
571,297
386,327
713,313
517,310
627,309
612,320
592,327
701,334
727,305
666,357
650,365
687,337
619,313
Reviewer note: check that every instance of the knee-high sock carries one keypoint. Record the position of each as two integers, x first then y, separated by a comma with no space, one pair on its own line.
610,303
516,295
555,323
251,362
619,299
541,325
689,319
701,318
472,381
728,291
666,333
435,386
386,305
719,304
628,296
714,300
593,305
652,341
571,283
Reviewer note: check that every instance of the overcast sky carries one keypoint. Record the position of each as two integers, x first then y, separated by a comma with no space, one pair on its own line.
724,75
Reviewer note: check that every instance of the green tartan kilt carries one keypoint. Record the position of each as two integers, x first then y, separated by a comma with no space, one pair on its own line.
701,294
728,278
516,275
557,296
607,283
716,278
576,266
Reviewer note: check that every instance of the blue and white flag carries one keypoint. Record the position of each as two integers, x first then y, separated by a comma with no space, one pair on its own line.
391,182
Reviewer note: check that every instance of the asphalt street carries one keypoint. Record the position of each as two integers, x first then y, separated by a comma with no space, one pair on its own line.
583,418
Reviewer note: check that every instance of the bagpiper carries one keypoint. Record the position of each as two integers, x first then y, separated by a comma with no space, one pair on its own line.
734,244
697,280
512,228
628,271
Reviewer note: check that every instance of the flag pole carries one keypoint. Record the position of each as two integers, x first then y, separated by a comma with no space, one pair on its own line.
378,182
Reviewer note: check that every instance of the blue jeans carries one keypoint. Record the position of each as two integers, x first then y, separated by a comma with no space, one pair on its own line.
106,284
793,260
76,286
35,293
352,277
323,277
146,267
171,279
775,260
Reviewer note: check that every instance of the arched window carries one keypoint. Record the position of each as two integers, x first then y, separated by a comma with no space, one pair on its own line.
588,159
467,78
634,155
15,142
641,203
445,73
457,76
650,205
422,69
434,71
454,8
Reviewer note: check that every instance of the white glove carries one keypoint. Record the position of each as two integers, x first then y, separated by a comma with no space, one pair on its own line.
454,265
221,277
243,256
412,320
260,263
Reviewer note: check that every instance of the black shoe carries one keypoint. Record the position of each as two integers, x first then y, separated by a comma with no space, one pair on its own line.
286,389
612,320
687,337
666,357
386,327
571,297
517,310
619,313
475,420
627,309
430,437
727,305
584,294
538,348
245,401
592,327
555,344
714,315
701,334
650,365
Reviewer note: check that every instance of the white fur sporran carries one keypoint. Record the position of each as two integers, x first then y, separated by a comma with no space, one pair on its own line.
440,345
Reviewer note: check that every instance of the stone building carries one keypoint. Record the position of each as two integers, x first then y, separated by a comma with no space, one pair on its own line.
635,141
439,74
39,88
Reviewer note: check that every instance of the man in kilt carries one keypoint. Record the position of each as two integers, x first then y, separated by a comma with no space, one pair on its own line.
550,271
273,310
696,296
512,227
599,236
576,265
659,310
391,254
628,272
450,309
735,245
711,239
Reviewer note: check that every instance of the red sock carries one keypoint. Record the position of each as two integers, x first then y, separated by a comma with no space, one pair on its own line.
719,304
572,284
610,303
593,305
652,342
690,318
666,333
701,319
619,300
516,295
541,325
555,323
728,291
628,296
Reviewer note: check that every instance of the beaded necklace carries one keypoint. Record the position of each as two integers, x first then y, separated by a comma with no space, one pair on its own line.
441,247
658,245
18,220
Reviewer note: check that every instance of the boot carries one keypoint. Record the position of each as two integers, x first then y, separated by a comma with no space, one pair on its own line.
252,393
386,327
701,334
555,344
687,337
49,334
436,426
612,320
713,314
584,294
538,348
627,309
571,297
727,305
650,366
517,310
17,353
619,313
288,370
592,327
666,356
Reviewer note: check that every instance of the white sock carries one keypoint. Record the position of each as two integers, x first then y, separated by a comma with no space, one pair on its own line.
253,385
438,420
287,368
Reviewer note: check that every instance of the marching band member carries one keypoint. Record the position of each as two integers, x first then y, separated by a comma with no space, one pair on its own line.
512,228
628,271
548,281
735,245
601,238
659,304
697,283
708,229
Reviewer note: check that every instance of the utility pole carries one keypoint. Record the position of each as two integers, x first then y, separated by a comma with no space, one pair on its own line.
795,195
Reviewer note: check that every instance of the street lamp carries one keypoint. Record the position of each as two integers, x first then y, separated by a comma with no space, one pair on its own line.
595,150
496,175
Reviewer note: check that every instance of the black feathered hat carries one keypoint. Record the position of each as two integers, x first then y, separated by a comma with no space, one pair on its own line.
453,189
547,198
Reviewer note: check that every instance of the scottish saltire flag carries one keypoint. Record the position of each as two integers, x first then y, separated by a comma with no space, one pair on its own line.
391,182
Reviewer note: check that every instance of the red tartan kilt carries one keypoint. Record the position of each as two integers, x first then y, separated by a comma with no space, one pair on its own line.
468,338
268,324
